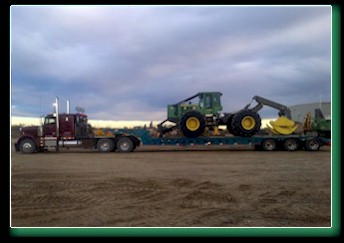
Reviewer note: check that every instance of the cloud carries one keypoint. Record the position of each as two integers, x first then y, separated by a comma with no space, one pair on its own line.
130,62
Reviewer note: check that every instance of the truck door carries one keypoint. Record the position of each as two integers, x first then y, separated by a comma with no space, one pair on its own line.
67,126
49,127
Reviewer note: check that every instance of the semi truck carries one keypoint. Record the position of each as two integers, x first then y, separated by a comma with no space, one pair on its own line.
70,130
198,127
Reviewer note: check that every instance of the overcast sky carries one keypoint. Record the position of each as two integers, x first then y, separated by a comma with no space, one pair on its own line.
129,62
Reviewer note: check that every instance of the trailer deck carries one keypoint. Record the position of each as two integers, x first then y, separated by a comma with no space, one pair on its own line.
260,142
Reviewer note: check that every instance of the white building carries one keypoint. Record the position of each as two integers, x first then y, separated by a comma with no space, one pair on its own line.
298,112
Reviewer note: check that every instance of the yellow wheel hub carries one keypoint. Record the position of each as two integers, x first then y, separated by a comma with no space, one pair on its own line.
248,122
192,123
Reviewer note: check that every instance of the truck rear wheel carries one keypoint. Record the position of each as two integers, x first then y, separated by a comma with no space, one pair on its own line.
192,124
246,123
105,145
125,145
27,146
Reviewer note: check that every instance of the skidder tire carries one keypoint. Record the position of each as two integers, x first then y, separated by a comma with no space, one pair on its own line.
125,145
246,123
27,146
105,145
192,124
229,124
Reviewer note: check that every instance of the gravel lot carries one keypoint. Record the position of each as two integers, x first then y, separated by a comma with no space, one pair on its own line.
198,186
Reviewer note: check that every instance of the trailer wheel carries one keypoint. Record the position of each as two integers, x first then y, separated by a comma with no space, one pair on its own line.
246,123
105,145
291,144
192,124
27,146
269,144
312,144
125,144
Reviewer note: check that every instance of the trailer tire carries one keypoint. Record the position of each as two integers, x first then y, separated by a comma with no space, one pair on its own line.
27,146
125,145
312,144
246,123
269,144
105,145
291,144
192,124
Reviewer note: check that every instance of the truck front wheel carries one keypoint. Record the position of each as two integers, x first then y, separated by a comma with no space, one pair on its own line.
27,146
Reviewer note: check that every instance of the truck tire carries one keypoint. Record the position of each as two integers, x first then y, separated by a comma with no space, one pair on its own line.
312,144
246,123
27,146
125,145
105,145
291,144
192,124
269,144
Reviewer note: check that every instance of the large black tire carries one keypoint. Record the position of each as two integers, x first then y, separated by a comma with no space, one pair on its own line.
192,124
291,144
27,146
105,145
269,144
312,144
125,145
229,124
246,123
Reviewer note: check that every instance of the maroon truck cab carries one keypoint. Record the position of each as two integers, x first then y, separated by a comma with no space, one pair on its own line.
67,129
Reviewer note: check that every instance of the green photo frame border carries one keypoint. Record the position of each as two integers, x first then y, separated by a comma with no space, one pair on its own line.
332,231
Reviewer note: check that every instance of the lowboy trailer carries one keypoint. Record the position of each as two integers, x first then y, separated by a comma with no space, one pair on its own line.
309,142
71,130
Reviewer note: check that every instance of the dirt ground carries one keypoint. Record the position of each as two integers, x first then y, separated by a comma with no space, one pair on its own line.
207,186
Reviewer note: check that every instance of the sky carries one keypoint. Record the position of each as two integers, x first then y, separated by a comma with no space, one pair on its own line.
129,62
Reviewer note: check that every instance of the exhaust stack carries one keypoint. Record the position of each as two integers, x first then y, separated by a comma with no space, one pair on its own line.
68,107
57,124
57,117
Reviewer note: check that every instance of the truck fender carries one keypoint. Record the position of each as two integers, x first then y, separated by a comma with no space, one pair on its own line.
135,140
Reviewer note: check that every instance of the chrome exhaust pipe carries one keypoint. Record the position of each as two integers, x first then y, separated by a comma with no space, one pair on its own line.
57,117
57,124
68,107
